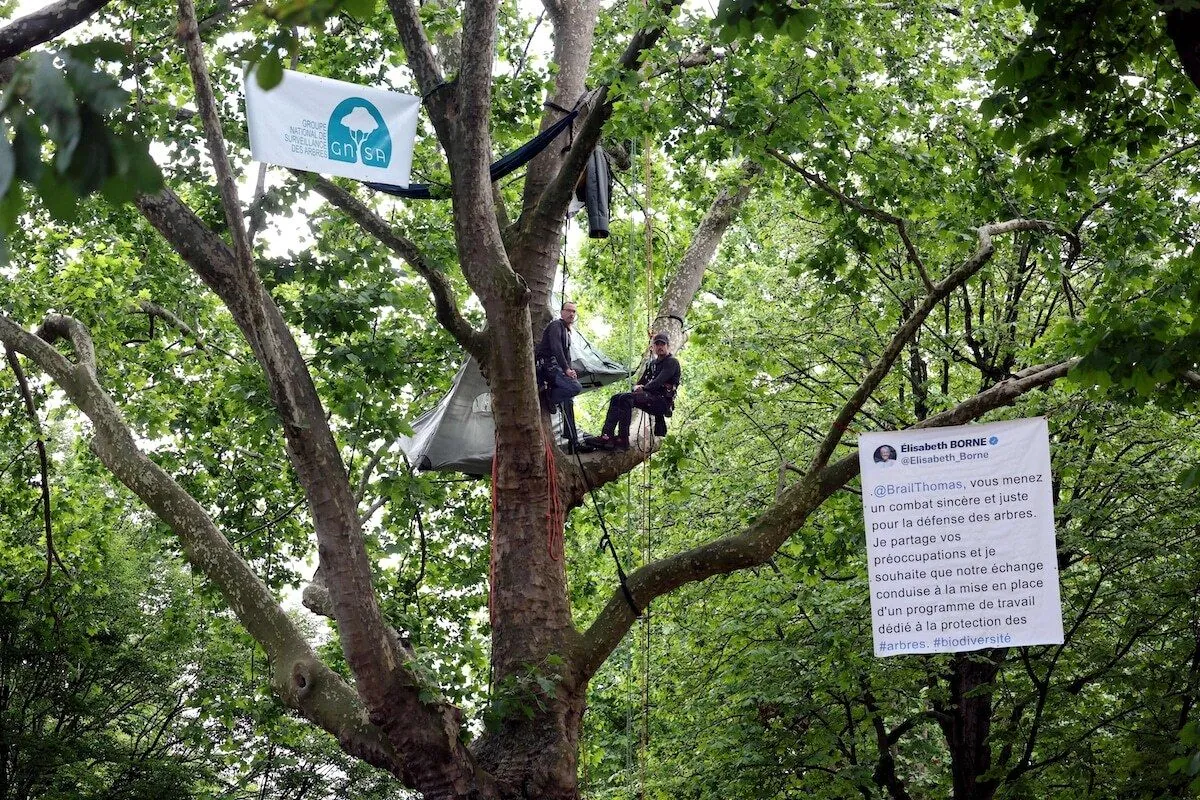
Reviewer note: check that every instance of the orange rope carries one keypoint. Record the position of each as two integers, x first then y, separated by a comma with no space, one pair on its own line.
555,523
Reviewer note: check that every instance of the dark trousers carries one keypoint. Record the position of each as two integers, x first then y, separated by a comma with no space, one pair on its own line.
562,389
621,406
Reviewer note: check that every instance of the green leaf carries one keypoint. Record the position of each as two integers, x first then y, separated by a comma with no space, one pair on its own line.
92,162
800,23
12,203
94,89
8,167
269,70
27,150
98,50
54,103
59,196
1189,478
359,9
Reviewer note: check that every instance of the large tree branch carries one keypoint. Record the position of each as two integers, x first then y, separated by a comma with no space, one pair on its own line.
898,222
421,59
460,110
755,545
585,474
552,203
686,280
189,32
596,471
383,682
909,327
41,26
474,81
301,679
461,115
445,305
426,735
574,34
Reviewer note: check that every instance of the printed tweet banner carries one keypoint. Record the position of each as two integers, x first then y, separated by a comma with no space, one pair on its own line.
333,127
960,537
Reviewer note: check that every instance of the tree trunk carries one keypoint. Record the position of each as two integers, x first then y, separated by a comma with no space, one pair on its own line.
537,698
966,723
537,756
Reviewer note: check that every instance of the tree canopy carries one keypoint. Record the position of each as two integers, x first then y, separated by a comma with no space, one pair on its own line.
848,217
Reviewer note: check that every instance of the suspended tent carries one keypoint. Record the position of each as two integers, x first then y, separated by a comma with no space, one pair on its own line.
458,434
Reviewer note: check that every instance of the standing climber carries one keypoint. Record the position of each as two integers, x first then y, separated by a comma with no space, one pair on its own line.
654,393
557,382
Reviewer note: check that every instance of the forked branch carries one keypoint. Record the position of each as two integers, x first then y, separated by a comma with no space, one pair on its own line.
302,680
909,327
791,509
556,196
444,302
189,32
582,475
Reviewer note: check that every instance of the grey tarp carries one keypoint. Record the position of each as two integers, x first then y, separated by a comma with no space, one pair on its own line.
458,436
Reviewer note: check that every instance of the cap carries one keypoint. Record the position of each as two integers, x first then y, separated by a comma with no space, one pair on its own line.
661,338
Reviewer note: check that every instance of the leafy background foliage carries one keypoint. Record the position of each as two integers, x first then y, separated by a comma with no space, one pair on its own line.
751,685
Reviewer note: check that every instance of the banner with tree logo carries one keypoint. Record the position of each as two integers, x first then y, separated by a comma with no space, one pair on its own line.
333,127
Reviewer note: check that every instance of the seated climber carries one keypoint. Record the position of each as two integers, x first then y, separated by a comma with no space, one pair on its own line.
654,393
557,381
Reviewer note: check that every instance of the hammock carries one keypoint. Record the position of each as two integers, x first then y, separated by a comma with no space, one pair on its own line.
505,166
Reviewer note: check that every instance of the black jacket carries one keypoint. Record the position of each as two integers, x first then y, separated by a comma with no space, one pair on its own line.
555,345
661,377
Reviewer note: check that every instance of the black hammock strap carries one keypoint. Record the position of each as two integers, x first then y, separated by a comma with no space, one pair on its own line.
508,164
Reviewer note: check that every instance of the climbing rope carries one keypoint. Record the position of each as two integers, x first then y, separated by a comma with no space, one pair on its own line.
606,542
647,485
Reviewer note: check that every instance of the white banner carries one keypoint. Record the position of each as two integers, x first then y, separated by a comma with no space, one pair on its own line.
333,127
960,537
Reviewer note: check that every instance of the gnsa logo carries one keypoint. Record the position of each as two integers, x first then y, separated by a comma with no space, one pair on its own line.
357,133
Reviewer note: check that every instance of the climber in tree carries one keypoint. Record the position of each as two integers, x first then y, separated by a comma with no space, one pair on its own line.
557,382
654,393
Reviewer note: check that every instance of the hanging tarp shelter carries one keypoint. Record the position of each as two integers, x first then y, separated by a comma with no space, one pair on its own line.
458,434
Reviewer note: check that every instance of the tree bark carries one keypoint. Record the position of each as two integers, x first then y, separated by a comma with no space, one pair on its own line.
966,723
1183,26
302,680
43,25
